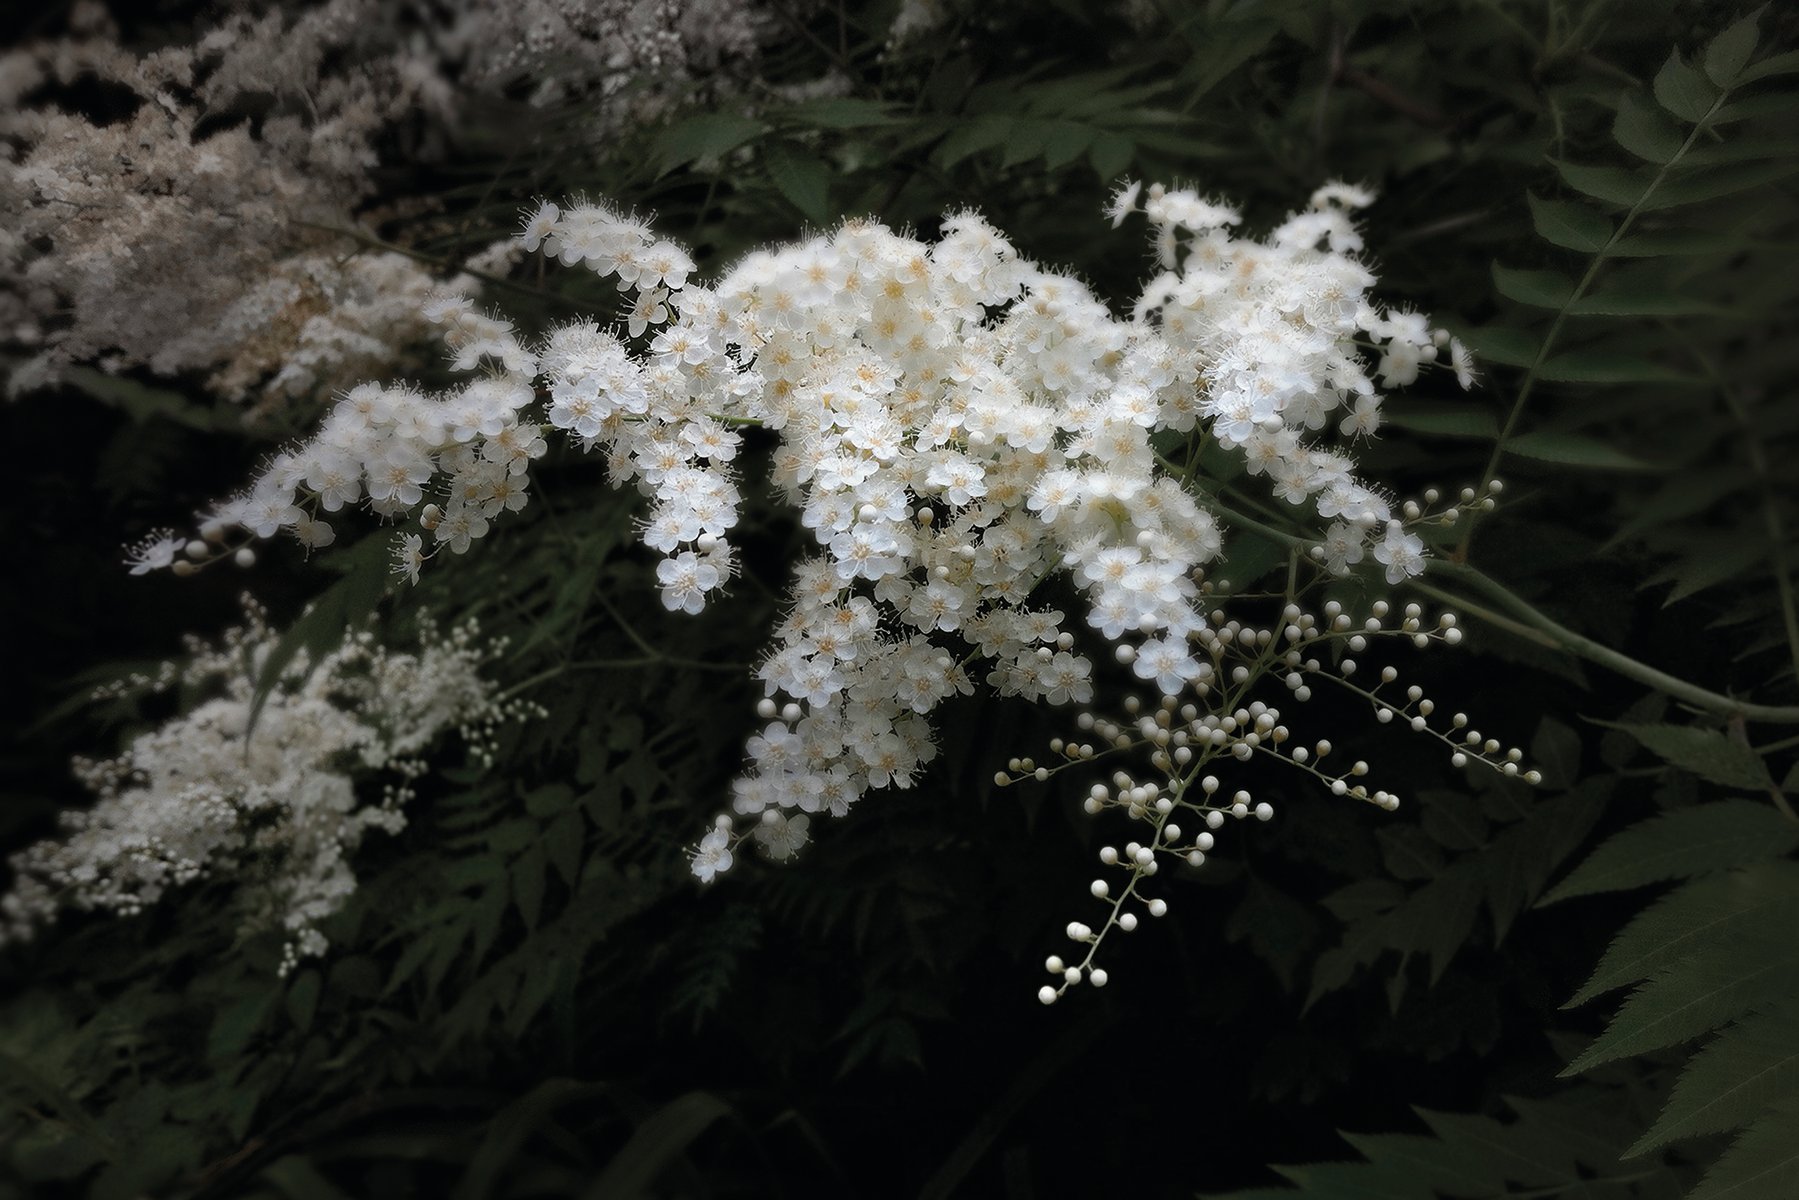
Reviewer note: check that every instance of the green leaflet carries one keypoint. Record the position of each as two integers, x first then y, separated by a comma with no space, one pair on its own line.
1730,51
1539,289
1680,844
704,137
802,177
1745,1070
1645,130
1719,982
1762,1164
1569,224
322,626
1681,922
1575,450
1683,90
1707,753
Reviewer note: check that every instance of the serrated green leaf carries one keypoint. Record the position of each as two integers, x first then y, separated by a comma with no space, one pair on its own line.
298,1179
1769,67
237,1022
1731,50
1523,857
840,112
511,1128
1506,345
143,402
1110,155
1355,1181
1408,853
1443,420
1645,130
667,1132
1574,450
801,177
1707,753
302,999
1540,289
1762,1164
1779,105
1026,141
1065,143
528,883
1363,899
322,626
1738,1075
703,137
981,133
1679,923
1608,366
1684,495
1569,223
1717,182
1633,301
1681,844
1614,185
1661,243
1721,981
1432,1165
1555,750
1683,90
563,843
1503,1152
1710,564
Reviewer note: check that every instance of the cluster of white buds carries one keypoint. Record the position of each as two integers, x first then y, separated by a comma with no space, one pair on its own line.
955,425
1190,733
264,798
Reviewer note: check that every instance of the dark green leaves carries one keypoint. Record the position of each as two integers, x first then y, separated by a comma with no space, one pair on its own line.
1569,224
1680,844
1540,289
1683,90
322,626
704,136
1707,753
1730,51
802,177
1645,130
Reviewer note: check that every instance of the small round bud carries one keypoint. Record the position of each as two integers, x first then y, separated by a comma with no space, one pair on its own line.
1047,994
245,558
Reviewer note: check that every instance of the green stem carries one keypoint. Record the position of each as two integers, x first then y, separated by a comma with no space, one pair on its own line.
1529,382
1603,655
1520,618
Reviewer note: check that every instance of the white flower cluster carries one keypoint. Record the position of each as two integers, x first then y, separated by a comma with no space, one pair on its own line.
955,424
265,799
180,235
144,238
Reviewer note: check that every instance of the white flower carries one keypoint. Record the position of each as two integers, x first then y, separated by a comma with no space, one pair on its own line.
153,553
713,857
